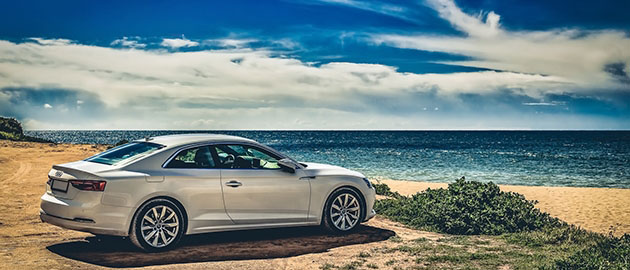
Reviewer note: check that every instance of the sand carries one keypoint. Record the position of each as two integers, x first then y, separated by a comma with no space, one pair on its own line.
27,243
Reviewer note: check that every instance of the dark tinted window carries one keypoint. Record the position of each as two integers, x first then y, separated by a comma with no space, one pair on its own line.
125,152
245,157
198,157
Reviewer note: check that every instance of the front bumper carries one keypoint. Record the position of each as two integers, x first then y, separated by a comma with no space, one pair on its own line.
371,199
85,216
370,215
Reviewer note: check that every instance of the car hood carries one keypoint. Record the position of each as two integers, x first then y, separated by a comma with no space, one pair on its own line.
318,169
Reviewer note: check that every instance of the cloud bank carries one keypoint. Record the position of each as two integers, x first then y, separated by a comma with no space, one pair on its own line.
105,87
587,60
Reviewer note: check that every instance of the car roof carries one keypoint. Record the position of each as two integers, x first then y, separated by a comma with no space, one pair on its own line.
183,139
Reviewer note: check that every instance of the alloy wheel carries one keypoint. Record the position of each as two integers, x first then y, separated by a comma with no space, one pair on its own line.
345,211
160,226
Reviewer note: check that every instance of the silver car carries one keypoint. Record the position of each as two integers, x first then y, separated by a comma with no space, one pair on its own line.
159,189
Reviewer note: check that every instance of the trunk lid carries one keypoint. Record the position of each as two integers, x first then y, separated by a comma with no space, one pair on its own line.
61,174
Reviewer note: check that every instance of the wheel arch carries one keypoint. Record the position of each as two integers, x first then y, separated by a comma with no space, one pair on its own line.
353,188
165,197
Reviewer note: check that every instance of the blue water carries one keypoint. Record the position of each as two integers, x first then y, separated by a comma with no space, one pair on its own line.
548,158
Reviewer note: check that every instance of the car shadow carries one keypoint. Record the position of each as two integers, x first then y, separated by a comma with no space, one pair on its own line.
222,246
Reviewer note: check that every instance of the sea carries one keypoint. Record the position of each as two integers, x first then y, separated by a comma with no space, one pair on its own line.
536,158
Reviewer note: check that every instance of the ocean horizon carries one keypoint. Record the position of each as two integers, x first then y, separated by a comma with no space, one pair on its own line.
586,158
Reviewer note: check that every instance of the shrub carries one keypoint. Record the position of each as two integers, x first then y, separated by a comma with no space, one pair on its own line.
609,253
10,125
11,129
466,207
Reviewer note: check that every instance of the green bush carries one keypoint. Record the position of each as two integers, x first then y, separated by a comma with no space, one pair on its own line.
11,129
610,253
469,207
466,207
10,125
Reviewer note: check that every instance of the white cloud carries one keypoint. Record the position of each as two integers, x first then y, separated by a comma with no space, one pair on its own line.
472,25
245,89
553,103
176,43
47,106
231,43
129,42
117,75
571,56
53,42
286,43
382,8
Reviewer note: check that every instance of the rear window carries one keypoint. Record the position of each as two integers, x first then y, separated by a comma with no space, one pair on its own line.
125,152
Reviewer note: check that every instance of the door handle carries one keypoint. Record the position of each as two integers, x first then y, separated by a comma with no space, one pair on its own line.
233,183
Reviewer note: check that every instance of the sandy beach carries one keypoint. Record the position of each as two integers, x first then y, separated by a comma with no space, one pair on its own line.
27,243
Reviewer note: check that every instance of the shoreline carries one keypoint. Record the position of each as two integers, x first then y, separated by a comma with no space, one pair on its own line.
596,209
438,183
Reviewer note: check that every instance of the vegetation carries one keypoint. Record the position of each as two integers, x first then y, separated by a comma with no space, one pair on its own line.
609,253
11,129
490,229
383,189
466,208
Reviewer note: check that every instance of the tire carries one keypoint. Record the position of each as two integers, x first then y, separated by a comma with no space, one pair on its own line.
340,216
157,226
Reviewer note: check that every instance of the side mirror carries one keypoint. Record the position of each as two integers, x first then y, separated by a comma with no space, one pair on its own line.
287,165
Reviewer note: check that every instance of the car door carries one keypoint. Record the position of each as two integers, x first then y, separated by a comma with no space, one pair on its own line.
256,190
192,174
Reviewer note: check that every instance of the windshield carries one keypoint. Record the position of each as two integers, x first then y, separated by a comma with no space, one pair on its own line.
129,151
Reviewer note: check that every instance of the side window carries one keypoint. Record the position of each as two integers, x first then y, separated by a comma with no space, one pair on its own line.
198,157
245,157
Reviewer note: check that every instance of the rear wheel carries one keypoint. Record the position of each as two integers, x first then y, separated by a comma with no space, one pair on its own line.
343,211
157,226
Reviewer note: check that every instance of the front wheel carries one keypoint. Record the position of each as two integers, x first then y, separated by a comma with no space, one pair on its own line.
158,226
342,212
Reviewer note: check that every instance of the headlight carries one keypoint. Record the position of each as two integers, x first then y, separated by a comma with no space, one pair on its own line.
367,182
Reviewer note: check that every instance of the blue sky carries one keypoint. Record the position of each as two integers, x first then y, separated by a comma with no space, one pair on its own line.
329,64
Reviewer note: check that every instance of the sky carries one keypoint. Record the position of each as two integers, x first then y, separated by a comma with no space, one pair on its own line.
316,64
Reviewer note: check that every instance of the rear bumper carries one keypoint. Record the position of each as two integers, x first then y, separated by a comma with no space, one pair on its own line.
87,217
83,226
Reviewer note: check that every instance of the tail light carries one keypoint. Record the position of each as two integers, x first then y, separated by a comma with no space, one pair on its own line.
89,185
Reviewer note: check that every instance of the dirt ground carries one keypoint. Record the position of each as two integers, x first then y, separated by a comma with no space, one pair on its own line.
27,243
